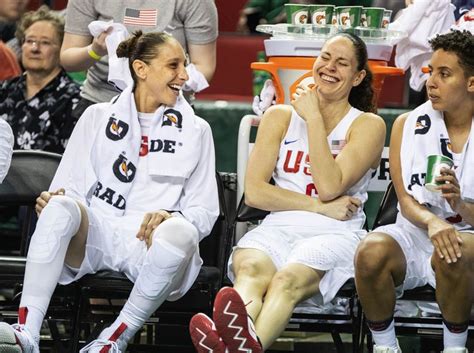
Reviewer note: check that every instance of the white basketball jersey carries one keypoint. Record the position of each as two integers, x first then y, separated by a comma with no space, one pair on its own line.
293,172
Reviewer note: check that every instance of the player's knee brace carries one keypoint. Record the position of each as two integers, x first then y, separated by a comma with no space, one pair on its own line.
179,233
58,223
162,264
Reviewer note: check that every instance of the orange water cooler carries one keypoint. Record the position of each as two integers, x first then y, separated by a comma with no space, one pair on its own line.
292,50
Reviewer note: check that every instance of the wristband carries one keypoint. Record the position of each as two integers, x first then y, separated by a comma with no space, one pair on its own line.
93,54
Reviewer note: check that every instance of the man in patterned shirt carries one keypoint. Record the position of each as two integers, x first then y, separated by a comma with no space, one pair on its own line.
38,104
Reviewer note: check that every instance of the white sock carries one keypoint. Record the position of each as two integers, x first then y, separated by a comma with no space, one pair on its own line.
58,223
454,340
387,337
34,319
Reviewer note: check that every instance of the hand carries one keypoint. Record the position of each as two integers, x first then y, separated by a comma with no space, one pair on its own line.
266,98
342,208
98,43
150,222
306,102
446,240
44,198
450,190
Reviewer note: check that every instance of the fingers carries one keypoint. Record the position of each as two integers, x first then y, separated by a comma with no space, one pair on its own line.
154,222
448,246
355,201
141,231
60,191
150,222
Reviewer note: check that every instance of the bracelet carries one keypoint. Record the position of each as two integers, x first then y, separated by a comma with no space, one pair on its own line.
93,54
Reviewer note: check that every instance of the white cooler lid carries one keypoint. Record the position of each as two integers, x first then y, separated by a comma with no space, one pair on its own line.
312,48
307,40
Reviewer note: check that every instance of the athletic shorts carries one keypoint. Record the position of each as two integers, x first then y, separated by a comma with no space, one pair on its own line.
112,245
328,250
418,250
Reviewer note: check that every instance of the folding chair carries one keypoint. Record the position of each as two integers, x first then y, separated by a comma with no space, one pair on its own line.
167,329
31,173
429,326
335,324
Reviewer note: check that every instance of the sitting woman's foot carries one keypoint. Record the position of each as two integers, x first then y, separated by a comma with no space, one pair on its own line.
233,323
204,335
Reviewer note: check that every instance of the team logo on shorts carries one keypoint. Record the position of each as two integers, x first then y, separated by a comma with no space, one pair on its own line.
423,124
116,129
446,147
124,170
172,117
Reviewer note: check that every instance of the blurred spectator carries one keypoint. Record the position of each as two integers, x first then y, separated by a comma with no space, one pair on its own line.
10,12
394,5
10,67
192,23
257,12
38,104
6,148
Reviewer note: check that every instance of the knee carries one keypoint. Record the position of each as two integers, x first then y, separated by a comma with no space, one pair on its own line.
179,233
372,256
250,268
450,271
65,204
286,282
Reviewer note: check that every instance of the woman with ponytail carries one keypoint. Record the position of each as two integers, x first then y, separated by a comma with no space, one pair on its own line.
321,152
135,192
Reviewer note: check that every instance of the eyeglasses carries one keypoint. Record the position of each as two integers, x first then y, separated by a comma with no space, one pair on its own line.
39,42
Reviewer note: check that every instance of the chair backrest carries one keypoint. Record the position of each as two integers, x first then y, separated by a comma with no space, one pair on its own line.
30,173
247,213
388,211
213,248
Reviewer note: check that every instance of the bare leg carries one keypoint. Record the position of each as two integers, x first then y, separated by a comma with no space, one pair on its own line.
76,250
253,271
454,292
289,286
380,266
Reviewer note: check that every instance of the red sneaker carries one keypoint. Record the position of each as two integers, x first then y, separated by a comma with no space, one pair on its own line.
204,335
233,323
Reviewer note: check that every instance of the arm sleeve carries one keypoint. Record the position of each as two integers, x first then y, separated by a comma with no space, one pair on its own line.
75,173
200,21
6,148
79,13
200,203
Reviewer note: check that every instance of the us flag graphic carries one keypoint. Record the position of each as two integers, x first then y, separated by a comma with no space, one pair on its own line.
145,18
337,145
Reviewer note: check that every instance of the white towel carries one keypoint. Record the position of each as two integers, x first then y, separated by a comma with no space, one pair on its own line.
420,21
115,152
197,81
6,148
119,71
425,134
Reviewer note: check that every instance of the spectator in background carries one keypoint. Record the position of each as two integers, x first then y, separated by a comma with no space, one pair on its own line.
258,12
6,148
192,23
10,67
10,12
38,104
